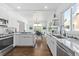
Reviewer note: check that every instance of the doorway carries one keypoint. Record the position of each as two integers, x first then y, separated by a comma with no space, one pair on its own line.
38,28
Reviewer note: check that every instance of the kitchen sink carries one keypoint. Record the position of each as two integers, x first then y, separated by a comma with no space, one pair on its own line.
59,36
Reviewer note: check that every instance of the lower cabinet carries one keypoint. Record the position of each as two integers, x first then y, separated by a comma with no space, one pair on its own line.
52,44
58,49
24,40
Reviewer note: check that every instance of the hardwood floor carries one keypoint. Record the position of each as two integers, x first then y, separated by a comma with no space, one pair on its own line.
40,49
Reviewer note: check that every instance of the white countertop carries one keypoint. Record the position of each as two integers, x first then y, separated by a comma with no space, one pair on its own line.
71,43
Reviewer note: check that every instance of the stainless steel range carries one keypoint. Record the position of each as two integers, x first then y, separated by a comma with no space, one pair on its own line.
6,43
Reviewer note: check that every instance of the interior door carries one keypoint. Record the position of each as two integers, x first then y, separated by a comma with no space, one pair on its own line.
21,26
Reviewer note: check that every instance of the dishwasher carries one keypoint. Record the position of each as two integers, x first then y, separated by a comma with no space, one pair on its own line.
62,50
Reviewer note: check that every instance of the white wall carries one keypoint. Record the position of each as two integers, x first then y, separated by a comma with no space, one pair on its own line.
7,13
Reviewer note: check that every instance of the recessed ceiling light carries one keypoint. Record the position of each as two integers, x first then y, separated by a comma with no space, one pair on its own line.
45,7
19,7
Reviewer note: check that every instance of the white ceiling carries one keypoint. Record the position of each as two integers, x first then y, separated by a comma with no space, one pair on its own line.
33,11
39,6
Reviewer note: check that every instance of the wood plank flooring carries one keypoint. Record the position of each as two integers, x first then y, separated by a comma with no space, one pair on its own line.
40,49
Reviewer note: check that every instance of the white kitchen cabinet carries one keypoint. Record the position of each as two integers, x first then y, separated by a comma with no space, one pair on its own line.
51,44
17,40
54,43
24,40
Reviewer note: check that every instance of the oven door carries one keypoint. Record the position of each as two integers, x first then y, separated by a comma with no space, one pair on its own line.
6,42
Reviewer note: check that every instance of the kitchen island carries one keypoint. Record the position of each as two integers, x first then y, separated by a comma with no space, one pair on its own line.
24,39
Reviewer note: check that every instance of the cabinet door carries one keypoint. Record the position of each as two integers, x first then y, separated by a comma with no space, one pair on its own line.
53,45
53,48
27,40
17,40
49,42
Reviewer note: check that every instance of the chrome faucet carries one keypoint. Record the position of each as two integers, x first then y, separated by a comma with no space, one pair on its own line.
64,34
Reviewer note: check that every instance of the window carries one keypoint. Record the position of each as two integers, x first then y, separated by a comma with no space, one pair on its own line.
67,19
75,17
71,18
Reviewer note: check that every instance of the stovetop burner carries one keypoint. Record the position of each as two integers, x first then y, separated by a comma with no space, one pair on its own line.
5,35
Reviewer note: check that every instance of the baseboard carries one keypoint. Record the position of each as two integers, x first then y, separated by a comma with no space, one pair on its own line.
23,46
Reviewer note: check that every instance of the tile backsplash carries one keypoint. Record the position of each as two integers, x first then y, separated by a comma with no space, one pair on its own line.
1,30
